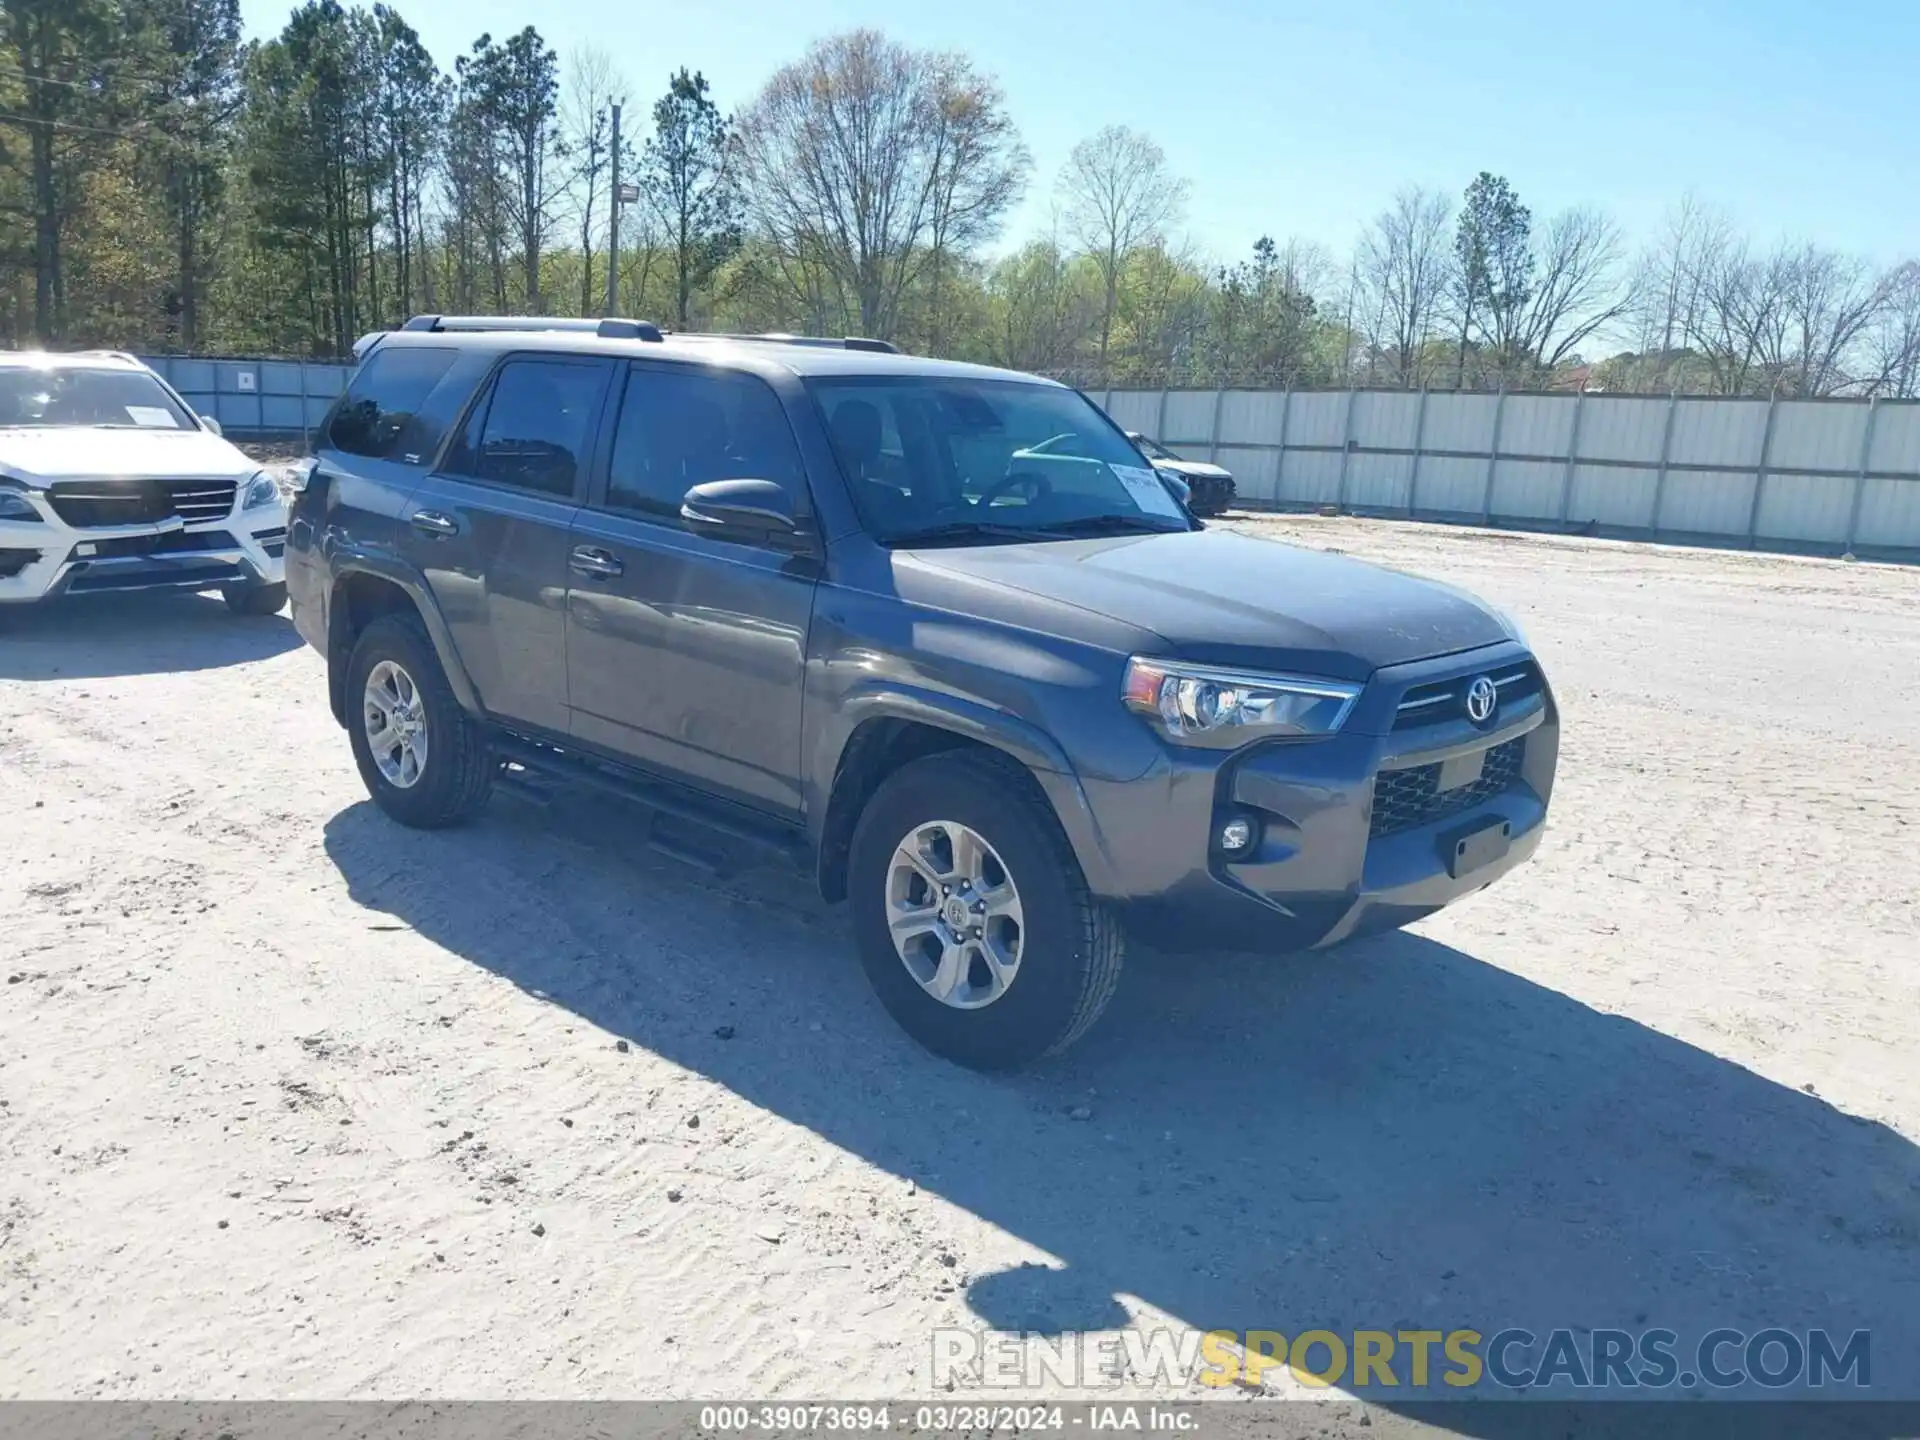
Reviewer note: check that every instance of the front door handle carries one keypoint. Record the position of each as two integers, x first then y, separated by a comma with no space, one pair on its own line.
432,522
594,563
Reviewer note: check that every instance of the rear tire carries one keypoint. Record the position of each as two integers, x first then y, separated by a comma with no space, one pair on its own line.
451,782
1070,946
256,599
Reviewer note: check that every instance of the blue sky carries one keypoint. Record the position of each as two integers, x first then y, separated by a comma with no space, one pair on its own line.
1798,119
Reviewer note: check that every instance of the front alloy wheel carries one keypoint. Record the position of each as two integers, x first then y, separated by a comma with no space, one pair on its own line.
973,919
955,915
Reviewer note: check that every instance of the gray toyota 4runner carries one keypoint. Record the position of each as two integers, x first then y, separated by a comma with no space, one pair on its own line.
934,631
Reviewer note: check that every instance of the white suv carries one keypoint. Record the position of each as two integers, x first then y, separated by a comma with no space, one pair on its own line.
108,481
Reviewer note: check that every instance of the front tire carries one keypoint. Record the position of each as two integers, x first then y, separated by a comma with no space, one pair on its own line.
1034,957
256,599
423,759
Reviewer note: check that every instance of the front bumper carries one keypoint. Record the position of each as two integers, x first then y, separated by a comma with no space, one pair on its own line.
1321,870
40,561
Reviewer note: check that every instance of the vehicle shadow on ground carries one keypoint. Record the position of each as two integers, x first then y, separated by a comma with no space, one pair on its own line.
85,637
1392,1136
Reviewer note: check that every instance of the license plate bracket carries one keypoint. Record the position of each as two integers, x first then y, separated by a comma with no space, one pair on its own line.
1469,850
1460,770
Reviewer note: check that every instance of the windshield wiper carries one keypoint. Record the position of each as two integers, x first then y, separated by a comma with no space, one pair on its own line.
969,530
1128,524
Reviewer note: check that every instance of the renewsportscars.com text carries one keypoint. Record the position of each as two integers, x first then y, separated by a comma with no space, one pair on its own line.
1569,1359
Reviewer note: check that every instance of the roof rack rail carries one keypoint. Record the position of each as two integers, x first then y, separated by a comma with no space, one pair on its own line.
845,342
611,328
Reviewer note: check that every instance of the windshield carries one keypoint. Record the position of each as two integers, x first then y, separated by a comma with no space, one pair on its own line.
1005,459
1154,448
59,396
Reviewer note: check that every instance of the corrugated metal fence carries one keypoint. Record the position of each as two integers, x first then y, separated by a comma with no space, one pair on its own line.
255,399
1826,475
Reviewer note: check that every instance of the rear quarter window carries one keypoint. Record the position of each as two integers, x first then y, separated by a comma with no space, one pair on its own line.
384,414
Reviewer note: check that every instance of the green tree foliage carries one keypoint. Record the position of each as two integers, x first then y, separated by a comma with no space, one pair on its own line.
687,175
1493,266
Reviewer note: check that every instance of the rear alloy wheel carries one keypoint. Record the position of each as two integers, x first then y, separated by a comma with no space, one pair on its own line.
422,758
395,718
974,923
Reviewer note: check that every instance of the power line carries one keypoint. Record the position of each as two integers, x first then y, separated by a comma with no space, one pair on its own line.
46,79
71,125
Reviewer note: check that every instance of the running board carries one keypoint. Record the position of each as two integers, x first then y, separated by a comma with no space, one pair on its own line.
730,828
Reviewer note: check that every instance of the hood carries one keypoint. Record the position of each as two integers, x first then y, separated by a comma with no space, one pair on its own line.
1193,469
1223,598
42,456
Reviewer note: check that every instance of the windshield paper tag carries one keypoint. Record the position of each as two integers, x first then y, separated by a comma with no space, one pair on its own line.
1147,491
155,417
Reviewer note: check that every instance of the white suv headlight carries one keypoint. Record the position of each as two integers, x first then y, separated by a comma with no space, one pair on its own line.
263,490
14,505
1190,702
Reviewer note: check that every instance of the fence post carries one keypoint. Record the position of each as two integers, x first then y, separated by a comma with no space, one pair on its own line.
1760,475
1160,421
1280,451
1213,441
1346,450
306,433
1860,479
1493,457
1573,454
1660,476
1419,444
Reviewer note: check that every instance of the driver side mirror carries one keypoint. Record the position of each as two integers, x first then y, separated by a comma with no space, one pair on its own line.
750,512
211,424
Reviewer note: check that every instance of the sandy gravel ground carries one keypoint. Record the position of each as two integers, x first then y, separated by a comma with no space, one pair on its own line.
294,1103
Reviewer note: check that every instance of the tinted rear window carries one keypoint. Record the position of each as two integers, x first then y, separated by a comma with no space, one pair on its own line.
532,431
380,415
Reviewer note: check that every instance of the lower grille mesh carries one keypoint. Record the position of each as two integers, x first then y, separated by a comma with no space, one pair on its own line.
1404,799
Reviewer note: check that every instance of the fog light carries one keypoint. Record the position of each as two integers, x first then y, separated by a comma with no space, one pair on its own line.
1236,835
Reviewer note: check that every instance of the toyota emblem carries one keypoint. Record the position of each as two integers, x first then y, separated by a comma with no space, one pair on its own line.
1481,698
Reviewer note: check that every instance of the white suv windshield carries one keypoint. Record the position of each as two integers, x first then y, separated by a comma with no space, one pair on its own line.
934,457
59,396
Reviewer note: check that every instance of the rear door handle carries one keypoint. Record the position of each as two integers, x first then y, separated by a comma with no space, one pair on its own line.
594,563
432,522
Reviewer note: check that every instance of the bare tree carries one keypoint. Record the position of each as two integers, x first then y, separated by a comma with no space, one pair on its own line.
1403,268
586,130
1829,301
1892,344
979,171
1576,291
1119,196
847,158
1669,276
1794,321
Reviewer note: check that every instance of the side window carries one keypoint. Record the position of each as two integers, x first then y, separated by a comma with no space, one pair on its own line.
533,429
680,427
380,415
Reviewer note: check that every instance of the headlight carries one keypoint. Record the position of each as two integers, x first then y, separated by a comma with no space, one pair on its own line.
263,491
14,505
1189,702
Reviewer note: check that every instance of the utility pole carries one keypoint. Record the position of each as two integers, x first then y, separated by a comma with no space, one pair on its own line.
613,222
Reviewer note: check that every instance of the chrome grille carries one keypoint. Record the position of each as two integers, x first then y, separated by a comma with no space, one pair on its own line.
92,504
1439,700
1405,799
